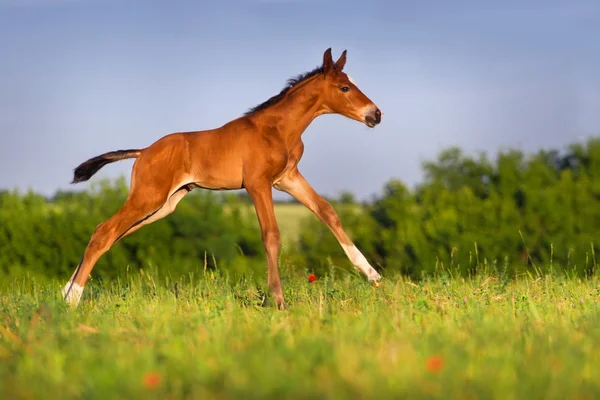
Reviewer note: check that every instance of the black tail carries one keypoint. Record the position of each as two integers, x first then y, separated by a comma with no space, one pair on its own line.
87,169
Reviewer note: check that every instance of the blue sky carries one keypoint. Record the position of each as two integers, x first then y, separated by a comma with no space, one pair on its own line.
82,77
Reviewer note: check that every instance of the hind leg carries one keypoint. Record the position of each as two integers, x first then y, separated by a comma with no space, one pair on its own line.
139,210
166,209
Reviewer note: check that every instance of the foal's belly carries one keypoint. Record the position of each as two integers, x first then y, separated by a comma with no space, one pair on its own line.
218,176
217,171
215,185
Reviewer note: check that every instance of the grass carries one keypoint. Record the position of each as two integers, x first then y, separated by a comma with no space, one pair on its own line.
289,218
207,337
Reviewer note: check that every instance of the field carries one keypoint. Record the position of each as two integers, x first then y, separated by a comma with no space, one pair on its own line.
207,337
289,218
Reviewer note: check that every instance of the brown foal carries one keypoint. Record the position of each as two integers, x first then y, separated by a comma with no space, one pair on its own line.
257,152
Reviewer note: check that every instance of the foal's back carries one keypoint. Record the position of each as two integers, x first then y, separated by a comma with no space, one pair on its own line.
212,159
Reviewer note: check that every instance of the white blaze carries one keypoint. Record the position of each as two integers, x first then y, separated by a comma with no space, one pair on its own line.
351,80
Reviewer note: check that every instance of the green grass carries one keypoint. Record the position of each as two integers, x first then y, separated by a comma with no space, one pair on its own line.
340,338
289,218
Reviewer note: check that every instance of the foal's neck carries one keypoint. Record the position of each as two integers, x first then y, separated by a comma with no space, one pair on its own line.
295,112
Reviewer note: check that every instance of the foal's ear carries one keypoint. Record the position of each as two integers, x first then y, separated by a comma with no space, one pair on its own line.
339,64
327,61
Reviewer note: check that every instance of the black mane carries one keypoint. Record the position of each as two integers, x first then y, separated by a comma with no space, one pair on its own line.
290,84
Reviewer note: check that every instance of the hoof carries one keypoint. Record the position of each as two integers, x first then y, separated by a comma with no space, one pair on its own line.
71,293
280,304
373,275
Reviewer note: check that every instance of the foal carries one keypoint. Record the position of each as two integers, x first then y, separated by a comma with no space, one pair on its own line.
257,152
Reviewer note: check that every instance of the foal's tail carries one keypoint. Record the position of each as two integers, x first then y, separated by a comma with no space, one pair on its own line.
93,165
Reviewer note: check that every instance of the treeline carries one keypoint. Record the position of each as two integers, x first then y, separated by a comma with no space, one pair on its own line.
516,213
48,236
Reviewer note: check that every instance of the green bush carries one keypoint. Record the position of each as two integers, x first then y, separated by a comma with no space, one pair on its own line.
48,236
516,214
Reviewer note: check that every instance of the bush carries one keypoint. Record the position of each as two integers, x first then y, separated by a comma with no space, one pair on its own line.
517,214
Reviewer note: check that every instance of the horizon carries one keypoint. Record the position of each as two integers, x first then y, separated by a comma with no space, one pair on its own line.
84,77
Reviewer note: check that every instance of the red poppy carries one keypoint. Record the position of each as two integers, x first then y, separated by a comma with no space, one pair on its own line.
434,364
151,380
312,278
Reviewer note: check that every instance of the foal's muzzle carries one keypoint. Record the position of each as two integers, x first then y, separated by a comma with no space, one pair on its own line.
373,119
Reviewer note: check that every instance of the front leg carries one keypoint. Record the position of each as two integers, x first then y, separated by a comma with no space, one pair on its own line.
262,197
295,184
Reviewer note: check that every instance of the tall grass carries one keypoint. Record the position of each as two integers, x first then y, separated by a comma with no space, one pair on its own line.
211,337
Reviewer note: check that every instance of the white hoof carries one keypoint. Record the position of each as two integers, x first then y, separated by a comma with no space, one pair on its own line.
373,275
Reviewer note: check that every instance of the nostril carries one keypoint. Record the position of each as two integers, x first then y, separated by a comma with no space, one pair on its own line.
378,115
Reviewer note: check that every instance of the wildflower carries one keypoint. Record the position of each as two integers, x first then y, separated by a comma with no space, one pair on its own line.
151,380
434,364
312,278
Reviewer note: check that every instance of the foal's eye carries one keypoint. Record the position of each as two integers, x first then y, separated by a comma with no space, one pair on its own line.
344,89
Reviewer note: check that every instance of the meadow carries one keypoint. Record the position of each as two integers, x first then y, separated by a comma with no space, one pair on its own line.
206,336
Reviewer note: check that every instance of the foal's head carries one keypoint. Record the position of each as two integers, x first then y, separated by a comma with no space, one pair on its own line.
342,96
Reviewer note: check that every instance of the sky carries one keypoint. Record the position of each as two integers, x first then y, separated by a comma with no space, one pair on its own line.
82,77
